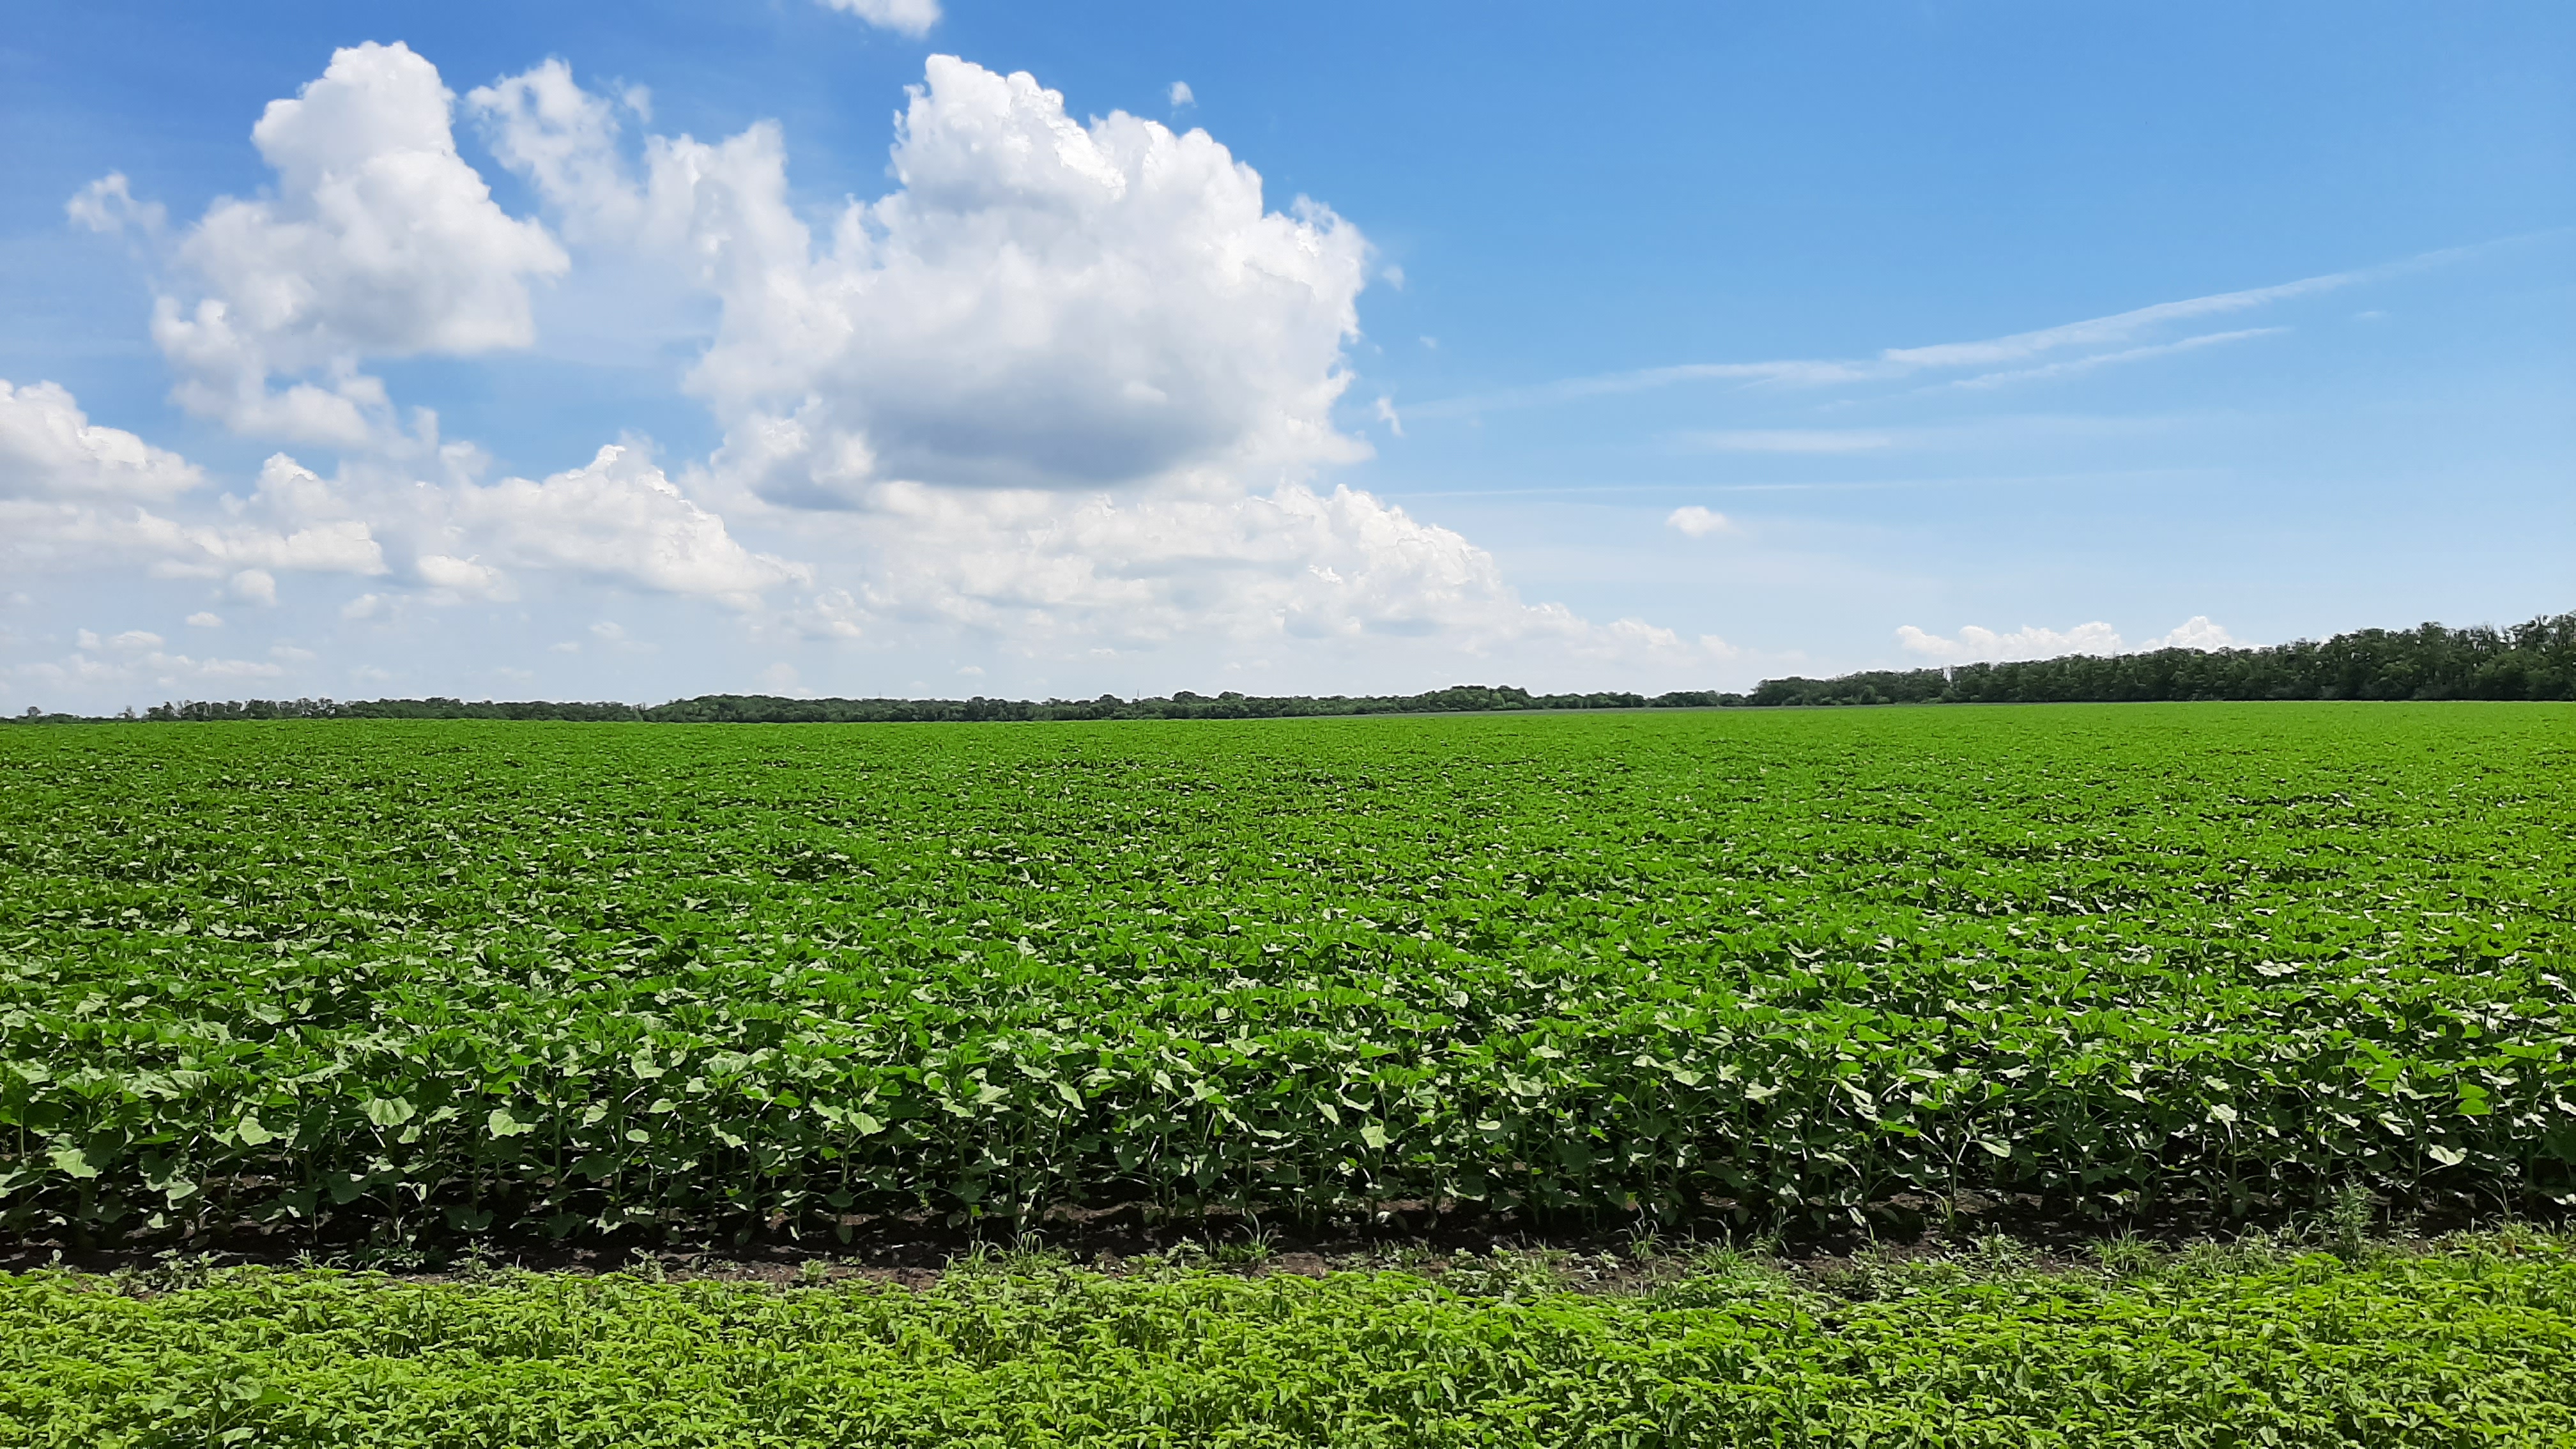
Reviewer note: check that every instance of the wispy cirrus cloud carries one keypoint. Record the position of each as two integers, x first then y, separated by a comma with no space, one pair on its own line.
2005,430
2102,331
1790,440
1895,363
1814,373
2074,365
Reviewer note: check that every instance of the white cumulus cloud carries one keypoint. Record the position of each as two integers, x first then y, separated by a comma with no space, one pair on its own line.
617,519
908,17
71,495
378,241
454,575
137,658
1974,644
74,495
1063,393
1697,521
50,449
1042,573
107,206
2196,632
1040,303
342,546
543,125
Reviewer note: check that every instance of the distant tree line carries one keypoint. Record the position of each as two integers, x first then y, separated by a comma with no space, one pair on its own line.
2533,661
777,709
2536,660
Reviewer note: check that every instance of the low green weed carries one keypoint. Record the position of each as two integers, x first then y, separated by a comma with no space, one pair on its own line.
2470,1341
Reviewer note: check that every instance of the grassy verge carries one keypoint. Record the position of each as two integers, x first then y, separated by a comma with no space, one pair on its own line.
2471,1340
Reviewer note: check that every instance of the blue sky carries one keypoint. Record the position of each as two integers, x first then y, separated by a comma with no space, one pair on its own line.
1663,347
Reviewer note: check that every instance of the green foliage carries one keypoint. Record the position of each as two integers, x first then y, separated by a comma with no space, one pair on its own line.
2473,1345
460,979
2531,661
775,709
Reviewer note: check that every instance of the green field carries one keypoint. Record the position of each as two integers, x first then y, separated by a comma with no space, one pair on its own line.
548,980
396,992
2474,1344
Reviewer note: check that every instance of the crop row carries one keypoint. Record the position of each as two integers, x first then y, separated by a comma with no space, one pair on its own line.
569,1111
1584,967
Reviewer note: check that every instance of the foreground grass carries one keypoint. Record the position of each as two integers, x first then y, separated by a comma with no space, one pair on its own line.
2471,1342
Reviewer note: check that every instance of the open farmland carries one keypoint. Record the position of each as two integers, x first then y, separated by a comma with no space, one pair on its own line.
2240,1346
437,981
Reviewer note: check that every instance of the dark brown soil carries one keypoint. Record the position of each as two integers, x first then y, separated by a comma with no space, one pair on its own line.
916,1248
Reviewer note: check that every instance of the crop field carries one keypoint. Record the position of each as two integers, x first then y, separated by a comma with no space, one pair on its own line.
440,981
2473,1343
456,993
